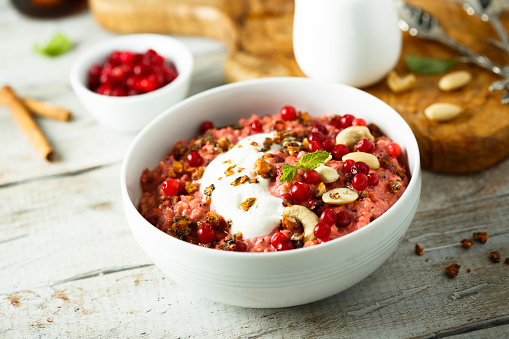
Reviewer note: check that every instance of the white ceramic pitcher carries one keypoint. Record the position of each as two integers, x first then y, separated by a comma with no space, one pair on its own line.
354,42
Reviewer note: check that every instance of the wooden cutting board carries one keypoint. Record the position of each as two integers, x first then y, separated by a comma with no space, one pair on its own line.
258,34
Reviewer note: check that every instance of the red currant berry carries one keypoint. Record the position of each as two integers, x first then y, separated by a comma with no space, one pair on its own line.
316,136
300,191
287,198
170,187
328,216
315,146
328,145
346,120
288,113
336,121
118,92
206,125
322,230
256,126
394,149
240,246
314,204
347,165
311,177
343,219
360,167
373,179
319,128
365,145
339,151
206,234
277,238
285,246
194,159
182,188
359,122
360,182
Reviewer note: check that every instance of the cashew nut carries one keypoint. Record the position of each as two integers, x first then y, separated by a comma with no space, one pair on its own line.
307,218
327,174
368,158
340,196
399,84
442,111
454,80
350,136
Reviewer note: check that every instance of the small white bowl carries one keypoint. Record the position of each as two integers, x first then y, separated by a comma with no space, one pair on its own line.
132,113
276,279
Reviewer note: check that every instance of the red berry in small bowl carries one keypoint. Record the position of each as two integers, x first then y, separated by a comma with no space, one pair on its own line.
319,128
346,120
129,73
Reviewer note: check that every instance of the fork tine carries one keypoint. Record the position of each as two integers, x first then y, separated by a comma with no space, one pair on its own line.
505,98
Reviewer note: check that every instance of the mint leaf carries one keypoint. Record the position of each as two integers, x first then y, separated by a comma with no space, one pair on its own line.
308,161
287,173
313,160
422,65
58,45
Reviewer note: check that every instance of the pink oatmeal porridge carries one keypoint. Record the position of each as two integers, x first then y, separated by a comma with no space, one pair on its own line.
274,183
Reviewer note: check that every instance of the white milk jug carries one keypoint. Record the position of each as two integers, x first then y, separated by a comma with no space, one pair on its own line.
353,42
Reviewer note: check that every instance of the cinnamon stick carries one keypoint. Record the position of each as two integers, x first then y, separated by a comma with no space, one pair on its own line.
26,122
44,109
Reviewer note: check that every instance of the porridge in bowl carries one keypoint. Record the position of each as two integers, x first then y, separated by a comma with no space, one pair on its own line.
274,183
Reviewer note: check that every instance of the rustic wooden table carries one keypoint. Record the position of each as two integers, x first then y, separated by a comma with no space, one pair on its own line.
69,266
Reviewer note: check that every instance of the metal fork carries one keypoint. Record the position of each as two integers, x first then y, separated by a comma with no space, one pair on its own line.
418,22
489,10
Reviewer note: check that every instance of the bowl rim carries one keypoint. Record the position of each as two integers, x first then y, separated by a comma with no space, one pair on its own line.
105,47
414,183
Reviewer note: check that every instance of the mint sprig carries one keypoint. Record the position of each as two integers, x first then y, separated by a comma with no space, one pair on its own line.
308,161
422,65
59,44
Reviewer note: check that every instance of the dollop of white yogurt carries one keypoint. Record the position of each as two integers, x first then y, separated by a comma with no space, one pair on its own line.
266,212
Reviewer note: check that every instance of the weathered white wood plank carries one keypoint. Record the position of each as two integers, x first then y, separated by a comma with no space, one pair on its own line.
408,292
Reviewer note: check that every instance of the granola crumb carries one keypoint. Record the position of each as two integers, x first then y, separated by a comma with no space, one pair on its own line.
506,261
469,270
495,256
418,250
452,271
466,243
482,237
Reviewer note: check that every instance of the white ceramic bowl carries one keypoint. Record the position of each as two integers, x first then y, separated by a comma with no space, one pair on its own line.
276,279
132,113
